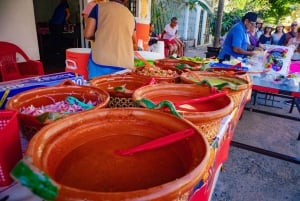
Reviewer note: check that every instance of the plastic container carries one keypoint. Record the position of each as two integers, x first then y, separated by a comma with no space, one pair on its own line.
205,115
77,61
48,95
79,154
120,87
10,145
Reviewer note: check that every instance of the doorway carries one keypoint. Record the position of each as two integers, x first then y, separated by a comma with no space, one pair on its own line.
52,57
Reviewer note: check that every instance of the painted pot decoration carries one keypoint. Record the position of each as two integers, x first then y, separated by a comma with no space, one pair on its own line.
237,87
197,104
120,87
41,106
79,161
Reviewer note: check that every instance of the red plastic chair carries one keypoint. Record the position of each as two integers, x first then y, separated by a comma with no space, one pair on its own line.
10,69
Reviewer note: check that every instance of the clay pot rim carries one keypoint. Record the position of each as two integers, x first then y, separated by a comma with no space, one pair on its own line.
119,80
166,60
211,74
118,77
150,193
218,69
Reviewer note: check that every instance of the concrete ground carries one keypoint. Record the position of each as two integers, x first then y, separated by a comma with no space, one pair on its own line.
250,176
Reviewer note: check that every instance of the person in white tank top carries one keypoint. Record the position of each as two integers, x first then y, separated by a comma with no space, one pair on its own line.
172,42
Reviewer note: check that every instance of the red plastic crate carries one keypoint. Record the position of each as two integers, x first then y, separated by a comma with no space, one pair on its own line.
10,145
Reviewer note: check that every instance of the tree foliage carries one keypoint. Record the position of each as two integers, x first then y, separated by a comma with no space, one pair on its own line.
271,11
280,9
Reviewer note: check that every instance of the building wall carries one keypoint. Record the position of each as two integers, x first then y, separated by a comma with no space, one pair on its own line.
18,25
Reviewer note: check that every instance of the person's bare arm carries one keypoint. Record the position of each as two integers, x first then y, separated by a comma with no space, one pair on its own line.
162,35
90,28
241,51
85,17
290,42
68,14
134,41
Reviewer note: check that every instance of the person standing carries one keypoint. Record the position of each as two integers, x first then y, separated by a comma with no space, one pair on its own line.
296,42
266,38
111,25
292,33
236,42
59,19
253,41
171,39
87,10
259,29
278,35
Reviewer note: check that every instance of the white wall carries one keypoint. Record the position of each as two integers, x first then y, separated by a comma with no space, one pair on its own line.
17,25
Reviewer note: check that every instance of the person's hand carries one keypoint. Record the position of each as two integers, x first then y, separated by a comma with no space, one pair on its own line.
252,53
258,49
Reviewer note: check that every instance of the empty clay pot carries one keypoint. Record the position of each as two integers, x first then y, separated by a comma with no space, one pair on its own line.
78,153
205,115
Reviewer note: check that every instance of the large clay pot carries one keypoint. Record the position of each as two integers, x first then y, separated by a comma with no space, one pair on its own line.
238,94
78,153
120,87
48,95
205,115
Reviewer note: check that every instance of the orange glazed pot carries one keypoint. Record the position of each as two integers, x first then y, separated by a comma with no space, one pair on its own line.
48,95
120,87
239,95
79,154
206,115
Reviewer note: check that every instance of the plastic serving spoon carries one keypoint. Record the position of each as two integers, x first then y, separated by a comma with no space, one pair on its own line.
201,99
159,142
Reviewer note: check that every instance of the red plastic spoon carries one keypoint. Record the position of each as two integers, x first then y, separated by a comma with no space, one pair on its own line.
201,99
159,142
